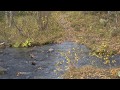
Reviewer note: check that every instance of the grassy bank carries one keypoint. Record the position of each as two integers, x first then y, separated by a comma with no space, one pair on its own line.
90,72
94,29
32,35
101,35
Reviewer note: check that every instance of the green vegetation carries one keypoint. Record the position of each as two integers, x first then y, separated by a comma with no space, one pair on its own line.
27,43
103,53
26,31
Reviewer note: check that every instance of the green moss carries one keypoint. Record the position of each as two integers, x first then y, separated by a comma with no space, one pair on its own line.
103,52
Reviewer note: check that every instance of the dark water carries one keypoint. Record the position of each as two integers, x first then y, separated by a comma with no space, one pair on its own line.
17,60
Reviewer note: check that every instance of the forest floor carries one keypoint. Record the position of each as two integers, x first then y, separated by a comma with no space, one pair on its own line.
66,25
90,39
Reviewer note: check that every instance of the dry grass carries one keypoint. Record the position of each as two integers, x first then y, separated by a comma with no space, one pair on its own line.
70,34
90,72
53,34
90,31
87,29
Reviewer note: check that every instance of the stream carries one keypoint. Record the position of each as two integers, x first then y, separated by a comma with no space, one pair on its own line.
20,64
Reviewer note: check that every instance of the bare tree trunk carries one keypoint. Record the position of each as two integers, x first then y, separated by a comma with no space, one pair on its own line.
37,14
18,28
116,15
39,20
10,18
43,19
47,14
6,17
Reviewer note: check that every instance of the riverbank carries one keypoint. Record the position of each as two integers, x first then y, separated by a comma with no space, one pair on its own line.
101,37
32,36
91,72
94,29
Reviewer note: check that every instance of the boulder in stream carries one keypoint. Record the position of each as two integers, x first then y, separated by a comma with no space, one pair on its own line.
33,63
23,73
1,52
2,45
51,50
2,70
32,56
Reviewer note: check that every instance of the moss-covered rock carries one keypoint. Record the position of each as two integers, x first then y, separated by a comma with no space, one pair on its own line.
2,45
2,70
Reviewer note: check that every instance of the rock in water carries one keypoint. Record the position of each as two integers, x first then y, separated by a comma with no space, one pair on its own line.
32,56
51,50
1,52
2,45
2,70
33,63
22,73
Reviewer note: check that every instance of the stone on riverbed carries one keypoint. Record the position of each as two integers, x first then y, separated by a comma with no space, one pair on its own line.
2,70
23,73
1,52
2,45
51,50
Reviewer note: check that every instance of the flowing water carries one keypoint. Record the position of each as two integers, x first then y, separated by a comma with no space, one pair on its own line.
21,65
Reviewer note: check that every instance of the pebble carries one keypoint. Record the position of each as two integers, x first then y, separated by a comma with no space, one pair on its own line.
51,50
32,56
22,73
33,63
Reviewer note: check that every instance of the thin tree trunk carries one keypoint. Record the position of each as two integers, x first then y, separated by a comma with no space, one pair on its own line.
43,19
19,29
6,17
10,18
